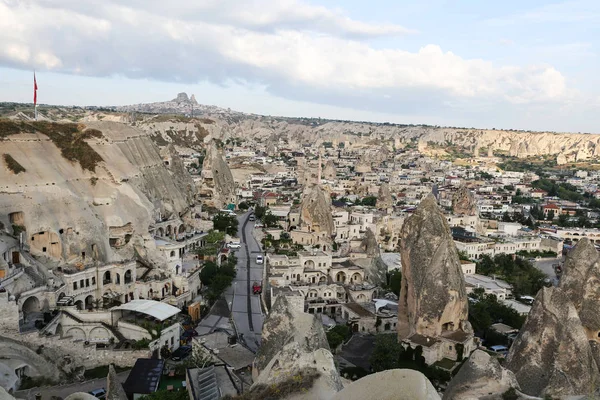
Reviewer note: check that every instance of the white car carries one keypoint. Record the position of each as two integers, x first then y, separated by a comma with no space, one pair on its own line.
259,259
234,245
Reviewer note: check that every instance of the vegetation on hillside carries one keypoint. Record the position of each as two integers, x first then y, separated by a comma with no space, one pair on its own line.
13,165
69,138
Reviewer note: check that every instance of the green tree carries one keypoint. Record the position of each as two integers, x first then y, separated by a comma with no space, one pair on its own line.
337,335
395,281
208,273
243,206
226,223
270,220
369,201
260,211
386,354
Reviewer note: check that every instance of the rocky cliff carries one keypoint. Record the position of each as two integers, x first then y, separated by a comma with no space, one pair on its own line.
552,355
76,187
463,202
294,345
433,298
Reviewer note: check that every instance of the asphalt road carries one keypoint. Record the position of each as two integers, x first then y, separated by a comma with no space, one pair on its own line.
246,309
66,390
546,266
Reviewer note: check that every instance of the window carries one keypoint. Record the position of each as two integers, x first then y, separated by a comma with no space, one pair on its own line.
93,280
74,285
450,347
87,283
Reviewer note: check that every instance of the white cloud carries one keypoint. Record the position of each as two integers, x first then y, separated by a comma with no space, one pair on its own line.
296,50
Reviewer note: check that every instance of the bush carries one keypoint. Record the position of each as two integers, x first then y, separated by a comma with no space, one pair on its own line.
337,335
13,165
226,223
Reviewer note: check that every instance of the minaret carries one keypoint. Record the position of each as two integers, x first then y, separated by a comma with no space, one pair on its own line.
320,169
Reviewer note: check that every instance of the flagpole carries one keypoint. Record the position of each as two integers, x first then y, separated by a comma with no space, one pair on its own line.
35,110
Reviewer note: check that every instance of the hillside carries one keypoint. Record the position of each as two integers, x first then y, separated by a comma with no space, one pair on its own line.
172,122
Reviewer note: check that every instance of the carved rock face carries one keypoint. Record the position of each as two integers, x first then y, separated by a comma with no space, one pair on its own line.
219,177
315,210
552,355
384,197
433,296
463,202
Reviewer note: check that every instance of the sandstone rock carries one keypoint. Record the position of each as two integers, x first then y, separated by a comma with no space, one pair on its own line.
481,377
363,165
193,99
4,395
394,384
294,343
181,98
329,172
384,197
552,356
463,202
561,159
580,262
490,152
217,177
315,210
432,296
114,389
56,195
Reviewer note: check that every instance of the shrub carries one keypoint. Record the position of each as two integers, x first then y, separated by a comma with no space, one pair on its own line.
13,165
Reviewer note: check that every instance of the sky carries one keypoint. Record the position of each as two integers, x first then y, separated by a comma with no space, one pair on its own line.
529,65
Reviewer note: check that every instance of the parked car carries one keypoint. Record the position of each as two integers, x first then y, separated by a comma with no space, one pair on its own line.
259,259
98,393
181,353
234,245
252,218
503,350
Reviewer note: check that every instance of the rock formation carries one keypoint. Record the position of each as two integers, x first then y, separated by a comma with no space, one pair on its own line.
579,263
480,378
217,178
363,166
384,197
552,355
329,171
433,298
114,389
490,152
68,209
393,384
315,211
294,344
463,202
561,159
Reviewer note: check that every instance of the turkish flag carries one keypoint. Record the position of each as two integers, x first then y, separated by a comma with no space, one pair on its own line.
34,90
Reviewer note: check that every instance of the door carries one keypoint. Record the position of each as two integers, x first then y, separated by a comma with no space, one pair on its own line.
16,257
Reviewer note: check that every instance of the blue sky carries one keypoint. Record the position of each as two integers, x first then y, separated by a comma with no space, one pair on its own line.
525,65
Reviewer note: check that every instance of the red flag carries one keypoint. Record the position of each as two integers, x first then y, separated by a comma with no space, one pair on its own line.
34,90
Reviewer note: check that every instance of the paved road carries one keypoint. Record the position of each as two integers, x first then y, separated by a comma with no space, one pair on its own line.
246,309
66,390
545,265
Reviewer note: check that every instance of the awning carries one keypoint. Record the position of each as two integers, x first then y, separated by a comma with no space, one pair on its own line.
156,309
